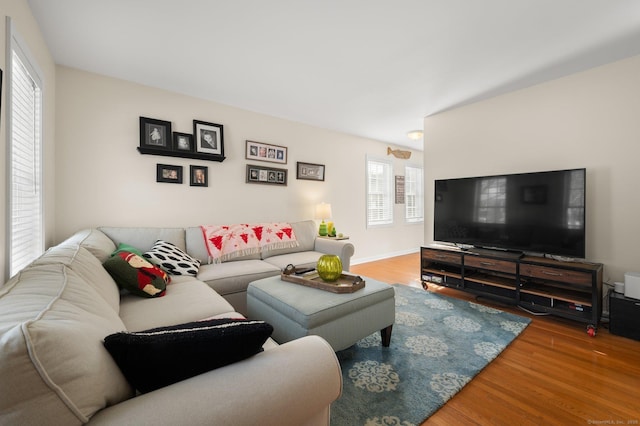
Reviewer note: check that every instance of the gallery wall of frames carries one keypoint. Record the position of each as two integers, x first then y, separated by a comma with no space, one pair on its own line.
207,143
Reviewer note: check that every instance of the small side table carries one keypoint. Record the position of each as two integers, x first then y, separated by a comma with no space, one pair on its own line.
624,316
326,237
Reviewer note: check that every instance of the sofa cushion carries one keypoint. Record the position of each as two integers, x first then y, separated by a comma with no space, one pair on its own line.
186,299
305,232
144,238
54,366
194,239
135,274
173,260
161,356
304,259
85,264
98,244
235,276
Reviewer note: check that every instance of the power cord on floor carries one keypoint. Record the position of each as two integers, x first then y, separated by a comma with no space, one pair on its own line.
537,314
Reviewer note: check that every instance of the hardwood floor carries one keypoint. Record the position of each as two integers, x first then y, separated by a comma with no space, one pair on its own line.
553,373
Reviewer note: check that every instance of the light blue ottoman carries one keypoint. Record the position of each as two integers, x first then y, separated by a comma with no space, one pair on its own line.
295,311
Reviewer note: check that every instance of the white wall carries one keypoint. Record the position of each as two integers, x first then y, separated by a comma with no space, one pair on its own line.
588,119
25,25
103,180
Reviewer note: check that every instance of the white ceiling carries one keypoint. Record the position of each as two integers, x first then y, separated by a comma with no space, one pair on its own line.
371,68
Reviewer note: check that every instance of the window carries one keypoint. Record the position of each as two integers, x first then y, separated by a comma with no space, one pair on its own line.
24,145
379,192
414,194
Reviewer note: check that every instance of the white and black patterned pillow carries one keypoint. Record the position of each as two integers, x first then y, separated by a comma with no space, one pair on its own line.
172,259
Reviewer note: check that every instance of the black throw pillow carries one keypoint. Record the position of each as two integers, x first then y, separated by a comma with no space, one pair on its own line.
161,356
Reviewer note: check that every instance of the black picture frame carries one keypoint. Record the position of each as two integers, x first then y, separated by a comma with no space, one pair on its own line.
260,151
155,134
168,173
198,175
156,138
209,138
266,175
182,142
310,171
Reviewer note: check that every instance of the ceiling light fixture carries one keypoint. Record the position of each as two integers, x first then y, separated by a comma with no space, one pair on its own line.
415,135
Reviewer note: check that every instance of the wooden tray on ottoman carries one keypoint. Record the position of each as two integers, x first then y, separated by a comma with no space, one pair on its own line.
347,283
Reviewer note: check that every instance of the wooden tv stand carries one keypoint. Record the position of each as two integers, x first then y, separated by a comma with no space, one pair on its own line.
571,290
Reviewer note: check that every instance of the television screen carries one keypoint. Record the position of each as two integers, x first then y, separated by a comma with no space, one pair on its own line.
542,213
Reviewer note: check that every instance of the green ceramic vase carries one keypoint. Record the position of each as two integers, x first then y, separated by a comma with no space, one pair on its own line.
329,267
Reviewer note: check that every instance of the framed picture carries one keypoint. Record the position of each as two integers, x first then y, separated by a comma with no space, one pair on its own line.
209,138
168,173
399,189
155,134
199,175
266,175
182,142
266,152
310,171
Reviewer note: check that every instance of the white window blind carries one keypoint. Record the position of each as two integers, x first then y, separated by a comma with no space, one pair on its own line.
24,157
414,194
379,192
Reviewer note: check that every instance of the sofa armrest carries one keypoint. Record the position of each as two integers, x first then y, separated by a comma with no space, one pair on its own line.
342,248
294,383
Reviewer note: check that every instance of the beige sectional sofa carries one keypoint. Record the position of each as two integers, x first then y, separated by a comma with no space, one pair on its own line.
55,370
231,278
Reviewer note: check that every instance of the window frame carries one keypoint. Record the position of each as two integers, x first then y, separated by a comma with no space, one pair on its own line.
386,194
417,192
17,46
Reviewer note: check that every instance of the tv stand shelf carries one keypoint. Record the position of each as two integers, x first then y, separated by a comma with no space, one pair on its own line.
571,290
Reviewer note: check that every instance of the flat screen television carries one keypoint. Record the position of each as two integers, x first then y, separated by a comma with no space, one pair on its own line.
541,213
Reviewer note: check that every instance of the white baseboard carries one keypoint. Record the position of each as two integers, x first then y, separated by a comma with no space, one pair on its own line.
357,261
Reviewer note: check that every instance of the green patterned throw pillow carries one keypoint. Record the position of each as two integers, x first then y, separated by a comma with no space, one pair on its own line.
137,275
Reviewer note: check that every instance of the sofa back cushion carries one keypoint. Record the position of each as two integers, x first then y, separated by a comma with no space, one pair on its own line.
93,240
305,232
87,266
54,366
144,238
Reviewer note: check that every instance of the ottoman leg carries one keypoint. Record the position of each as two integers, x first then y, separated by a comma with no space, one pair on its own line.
385,335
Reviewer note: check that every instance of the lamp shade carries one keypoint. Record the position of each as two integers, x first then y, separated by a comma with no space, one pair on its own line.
323,211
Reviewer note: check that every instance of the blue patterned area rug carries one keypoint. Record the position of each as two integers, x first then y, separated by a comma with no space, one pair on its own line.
438,345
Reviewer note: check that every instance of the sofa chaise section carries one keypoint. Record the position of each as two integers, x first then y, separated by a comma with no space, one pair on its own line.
289,384
55,314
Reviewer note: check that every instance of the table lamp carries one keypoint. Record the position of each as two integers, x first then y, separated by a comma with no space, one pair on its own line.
323,211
